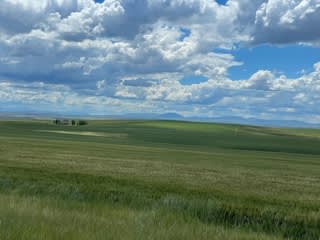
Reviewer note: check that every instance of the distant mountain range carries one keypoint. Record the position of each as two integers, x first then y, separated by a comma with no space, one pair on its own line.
167,116
261,122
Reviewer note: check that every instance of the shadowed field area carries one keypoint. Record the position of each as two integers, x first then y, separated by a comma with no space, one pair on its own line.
158,180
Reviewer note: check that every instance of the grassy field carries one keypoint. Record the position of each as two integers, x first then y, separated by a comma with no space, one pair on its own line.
158,180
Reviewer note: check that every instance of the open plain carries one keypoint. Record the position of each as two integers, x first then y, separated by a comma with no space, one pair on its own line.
158,180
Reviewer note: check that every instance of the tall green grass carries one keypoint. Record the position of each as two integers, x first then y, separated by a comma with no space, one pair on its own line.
212,181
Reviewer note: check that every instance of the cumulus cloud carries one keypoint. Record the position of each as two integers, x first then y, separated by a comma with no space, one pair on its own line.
133,54
77,42
18,16
282,21
263,95
261,80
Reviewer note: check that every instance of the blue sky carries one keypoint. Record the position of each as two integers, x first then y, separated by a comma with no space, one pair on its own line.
223,2
235,58
290,60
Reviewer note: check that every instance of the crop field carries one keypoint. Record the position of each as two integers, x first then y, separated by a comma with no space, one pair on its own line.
158,180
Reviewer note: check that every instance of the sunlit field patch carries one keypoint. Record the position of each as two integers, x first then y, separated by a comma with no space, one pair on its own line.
84,133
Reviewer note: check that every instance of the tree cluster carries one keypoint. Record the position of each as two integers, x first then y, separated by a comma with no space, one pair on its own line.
72,122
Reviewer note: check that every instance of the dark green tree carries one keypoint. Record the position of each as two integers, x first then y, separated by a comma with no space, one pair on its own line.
56,122
82,122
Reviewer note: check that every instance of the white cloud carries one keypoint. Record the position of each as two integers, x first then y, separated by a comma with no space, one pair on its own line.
134,53
263,95
93,41
283,21
261,80
18,16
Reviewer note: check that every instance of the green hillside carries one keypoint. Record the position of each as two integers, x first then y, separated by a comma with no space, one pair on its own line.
158,180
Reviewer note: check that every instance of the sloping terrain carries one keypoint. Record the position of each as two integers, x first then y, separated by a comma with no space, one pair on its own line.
163,180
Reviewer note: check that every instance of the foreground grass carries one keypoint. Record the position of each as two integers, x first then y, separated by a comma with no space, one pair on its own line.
43,218
159,180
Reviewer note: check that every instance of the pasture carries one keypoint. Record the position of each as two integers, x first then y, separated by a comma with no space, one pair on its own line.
158,180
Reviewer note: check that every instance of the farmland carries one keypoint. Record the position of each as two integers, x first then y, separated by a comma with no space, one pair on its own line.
158,180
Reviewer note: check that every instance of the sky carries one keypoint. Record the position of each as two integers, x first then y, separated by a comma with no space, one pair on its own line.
238,58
